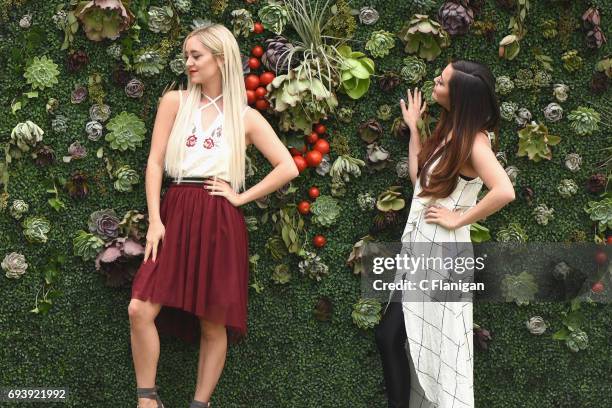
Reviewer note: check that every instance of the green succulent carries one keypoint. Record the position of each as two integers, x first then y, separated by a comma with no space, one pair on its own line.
345,114
126,131
218,6
87,245
390,199
479,233
503,85
380,43
571,61
543,214
601,213
605,66
18,209
524,78
242,22
148,62
25,135
160,19
41,73
300,101
427,92
577,340
355,72
542,79
424,37
35,229
59,123
567,188
549,28
414,69
183,6
274,16
365,201
366,313
520,288
535,142
103,20
281,274
312,266
384,112
507,110
325,210
251,223
584,121
513,234
126,177
345,166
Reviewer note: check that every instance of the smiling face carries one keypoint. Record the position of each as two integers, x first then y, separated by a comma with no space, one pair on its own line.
202,66
441,91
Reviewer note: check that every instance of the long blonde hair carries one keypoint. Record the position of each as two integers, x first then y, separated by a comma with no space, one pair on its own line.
221,42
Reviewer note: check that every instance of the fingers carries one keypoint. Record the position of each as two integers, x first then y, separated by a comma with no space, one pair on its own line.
146,255
424,107
154,251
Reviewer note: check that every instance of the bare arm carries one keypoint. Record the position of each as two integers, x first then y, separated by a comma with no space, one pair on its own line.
501,190
267,142
166,113
411,113
414,148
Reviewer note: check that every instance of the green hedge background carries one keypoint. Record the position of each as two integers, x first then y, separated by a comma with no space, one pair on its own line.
289,359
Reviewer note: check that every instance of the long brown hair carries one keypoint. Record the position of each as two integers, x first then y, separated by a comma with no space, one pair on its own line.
473,108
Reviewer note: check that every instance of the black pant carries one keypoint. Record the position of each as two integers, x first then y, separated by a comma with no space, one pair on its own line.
390,338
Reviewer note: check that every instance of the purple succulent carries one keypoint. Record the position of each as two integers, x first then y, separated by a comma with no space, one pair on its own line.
104,223
481,337
455,18
79,94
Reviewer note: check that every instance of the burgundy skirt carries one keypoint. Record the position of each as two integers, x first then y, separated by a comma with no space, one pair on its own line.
202,265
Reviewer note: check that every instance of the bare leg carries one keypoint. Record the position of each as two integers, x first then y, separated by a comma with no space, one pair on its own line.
145,345
213,349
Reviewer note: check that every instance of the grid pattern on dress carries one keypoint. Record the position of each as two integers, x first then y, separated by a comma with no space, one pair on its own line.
439,343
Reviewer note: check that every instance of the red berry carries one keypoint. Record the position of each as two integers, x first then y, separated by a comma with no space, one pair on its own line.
601,258
312,137
251,82
294,151
260,92
258,28
313,192
300,162
251,96
322,145
254,63
319,241
313,158
266,78
320,128
304,207
257,51
609,240
597,287
262,104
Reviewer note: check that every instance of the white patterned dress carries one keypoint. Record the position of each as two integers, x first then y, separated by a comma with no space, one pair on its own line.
440,343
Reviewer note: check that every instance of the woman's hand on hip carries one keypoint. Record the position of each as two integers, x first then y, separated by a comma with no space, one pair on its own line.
155,233
437,214
223,188
412,112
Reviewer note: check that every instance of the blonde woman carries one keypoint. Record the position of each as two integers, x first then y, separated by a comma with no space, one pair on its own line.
194,278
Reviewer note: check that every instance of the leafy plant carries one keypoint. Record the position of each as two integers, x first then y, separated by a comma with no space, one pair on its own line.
535,142
355,72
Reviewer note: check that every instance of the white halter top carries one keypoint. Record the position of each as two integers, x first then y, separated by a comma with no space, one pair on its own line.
207,152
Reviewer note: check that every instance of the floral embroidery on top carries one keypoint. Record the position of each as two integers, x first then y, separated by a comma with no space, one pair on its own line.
209,142
192,139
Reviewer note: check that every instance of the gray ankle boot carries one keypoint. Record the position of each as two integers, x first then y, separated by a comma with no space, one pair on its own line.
150,393
199,404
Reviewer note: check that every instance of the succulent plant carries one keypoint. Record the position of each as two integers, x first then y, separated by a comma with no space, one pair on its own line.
541,79
455,18
25,135
560,91
242,22
520,288
584,121
325,210
567,188
18,208
571,61
390,199
514,233
126,178
183,6
507,110
543,214
577,340
126,131
427,92
536,325
312,266
365,201
41,73
35,229
160,19
524,78
595,37
59,123
274,16
177,65
389,81
148,62
345,166
78,94
102,20
355,72
14,265
104,223
605,66
281,274
523,116
345,114
424,37
87,245
509,47
414,69
512,172
601,213
553,112
573,162
377,157
535,142
368,15
384,112
134,88
596,183
355,257
275,56
503,85
370,131
77,60
548,28
402,168
380,43
366,313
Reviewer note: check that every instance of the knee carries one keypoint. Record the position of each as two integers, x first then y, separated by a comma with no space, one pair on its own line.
137,311
212,331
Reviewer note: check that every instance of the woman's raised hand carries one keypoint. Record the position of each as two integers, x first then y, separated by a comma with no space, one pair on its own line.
412,113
